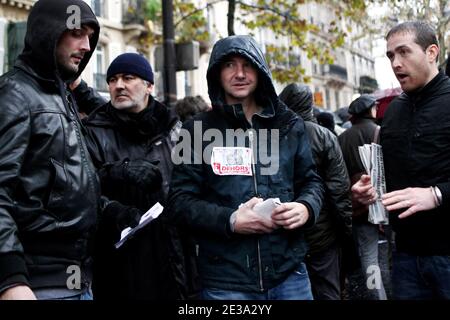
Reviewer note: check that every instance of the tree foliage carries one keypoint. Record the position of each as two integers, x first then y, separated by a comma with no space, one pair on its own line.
294,32
435,12
189,22
282,18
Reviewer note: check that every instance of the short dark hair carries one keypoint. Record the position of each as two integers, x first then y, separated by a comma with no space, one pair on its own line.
424,34
189,106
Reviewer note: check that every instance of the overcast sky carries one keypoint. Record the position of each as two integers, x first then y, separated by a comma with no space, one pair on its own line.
383,71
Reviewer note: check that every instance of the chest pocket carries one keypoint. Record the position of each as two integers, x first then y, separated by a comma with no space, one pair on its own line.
59,182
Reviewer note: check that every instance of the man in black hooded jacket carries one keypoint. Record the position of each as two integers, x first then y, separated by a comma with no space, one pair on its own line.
49,191
335,219
242,254
414,136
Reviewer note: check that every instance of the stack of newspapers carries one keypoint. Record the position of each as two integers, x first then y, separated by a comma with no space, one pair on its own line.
372,159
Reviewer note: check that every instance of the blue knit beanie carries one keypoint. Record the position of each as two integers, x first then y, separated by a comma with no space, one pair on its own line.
131,63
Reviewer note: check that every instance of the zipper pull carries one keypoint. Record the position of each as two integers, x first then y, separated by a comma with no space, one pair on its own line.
255,184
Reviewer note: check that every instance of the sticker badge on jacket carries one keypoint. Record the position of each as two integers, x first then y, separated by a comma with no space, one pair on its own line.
226,161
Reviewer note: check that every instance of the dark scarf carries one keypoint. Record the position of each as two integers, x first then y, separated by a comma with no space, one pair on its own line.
148,123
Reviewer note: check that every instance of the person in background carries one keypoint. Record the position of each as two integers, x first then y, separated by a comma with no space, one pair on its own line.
188,107
326,120
364,130
335,219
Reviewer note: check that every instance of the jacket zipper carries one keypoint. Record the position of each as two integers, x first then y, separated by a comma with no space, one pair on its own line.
250,136
78,129
255,185
411,135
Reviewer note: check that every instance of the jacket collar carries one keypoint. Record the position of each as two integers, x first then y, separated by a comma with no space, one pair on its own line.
155,119
430,89
22,65
283,119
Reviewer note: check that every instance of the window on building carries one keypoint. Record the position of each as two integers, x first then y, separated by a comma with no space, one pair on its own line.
15,37
327,98
187,84
100,69
98,6
294,60
337,98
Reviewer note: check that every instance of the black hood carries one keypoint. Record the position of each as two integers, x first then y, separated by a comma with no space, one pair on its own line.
46,23
246,47
299,98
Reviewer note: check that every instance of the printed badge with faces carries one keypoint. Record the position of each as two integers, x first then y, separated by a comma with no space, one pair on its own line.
226,161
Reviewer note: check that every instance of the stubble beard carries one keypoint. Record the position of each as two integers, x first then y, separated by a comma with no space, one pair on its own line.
68,70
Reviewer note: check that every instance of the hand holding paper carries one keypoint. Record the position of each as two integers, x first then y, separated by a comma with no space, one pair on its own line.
250,220
266,207
146,218
372,159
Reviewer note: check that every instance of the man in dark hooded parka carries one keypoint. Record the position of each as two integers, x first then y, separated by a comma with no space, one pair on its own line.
241,254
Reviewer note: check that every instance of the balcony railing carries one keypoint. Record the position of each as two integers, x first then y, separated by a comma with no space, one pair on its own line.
26,4
133,12
339,71
367,84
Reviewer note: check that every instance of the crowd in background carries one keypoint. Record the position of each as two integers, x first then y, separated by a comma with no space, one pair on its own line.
79,173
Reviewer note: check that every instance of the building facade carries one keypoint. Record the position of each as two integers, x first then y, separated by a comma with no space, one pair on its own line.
334,85
124,26
353,69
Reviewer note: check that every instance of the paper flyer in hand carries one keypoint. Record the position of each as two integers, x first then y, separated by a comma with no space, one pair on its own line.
146,218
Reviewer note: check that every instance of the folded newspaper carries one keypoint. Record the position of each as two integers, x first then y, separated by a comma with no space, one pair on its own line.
372,158
146,218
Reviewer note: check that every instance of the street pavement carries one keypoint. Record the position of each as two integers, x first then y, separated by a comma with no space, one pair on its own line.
355,286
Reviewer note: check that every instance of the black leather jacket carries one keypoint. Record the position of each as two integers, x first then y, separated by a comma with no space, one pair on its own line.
115,136
335,218
49,191
154,264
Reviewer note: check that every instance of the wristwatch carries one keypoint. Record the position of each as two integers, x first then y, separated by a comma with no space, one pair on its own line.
438,195
232,221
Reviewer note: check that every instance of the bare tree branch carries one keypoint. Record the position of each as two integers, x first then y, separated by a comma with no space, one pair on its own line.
190,14
265,8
